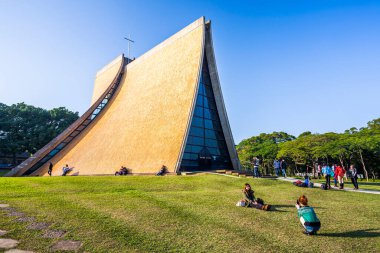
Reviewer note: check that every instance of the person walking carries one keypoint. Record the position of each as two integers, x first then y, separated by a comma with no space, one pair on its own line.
326,170
256,164
340,173
276,165
353,172
319,170
50,170
283,166
335,175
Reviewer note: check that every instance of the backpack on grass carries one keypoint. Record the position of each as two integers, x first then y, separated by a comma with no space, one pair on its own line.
323,187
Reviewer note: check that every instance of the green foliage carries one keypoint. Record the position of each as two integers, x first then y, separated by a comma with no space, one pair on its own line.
265,147
25,128
360,147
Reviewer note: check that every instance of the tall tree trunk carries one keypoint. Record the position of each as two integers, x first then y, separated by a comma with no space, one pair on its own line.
362,160
373,175
264,168
14,158
341,161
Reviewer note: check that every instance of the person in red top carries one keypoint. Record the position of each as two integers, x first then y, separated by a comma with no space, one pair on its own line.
339,172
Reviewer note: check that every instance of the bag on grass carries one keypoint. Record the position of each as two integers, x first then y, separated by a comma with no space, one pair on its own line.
297,183
240,203
323,187
311,185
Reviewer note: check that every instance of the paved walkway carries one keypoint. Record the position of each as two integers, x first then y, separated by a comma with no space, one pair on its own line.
290,179
10,244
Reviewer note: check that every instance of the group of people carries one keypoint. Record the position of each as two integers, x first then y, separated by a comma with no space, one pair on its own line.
307,215
338,173
121,172
279,167
65,169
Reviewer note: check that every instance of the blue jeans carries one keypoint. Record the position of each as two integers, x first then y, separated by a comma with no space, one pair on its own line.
311,229
277,171
308,228
256,171
283,173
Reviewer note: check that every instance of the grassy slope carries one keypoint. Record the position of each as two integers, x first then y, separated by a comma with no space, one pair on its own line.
193,214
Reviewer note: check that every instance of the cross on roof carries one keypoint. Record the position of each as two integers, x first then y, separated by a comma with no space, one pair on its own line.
129,44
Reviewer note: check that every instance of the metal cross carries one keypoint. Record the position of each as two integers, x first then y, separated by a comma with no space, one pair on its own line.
129,44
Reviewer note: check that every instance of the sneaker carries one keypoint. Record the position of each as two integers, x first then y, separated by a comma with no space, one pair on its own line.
266,207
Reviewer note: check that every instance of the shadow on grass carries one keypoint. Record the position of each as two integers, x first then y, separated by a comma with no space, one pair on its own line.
279,206
355,234
275,208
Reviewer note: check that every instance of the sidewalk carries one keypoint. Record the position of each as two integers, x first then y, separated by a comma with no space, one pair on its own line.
290,179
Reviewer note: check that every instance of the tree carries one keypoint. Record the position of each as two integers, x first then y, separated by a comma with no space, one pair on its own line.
366,143
264,146
25,128
354,146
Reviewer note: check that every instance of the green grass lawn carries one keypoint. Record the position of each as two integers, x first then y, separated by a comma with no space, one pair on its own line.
187,214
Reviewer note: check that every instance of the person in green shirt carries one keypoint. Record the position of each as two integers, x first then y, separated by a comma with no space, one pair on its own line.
308,217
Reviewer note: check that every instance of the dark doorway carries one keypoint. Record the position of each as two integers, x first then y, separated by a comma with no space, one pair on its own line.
205,159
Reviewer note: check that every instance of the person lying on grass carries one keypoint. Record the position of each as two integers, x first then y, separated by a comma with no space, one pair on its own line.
308,218
251,201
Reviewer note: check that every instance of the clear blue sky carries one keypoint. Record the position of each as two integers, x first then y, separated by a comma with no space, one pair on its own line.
287,66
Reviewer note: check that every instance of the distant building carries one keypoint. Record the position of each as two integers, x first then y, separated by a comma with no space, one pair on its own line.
163,108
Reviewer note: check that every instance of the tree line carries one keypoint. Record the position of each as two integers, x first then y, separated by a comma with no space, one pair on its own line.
26,128
360,147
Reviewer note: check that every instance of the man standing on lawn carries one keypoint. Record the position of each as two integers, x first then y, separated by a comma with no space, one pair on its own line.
326,170
276,165
283,166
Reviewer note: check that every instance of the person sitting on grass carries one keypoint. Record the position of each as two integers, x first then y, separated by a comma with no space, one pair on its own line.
308,217
66,170
162,171
122,172
251,201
